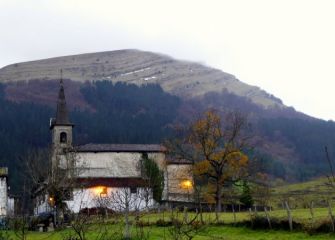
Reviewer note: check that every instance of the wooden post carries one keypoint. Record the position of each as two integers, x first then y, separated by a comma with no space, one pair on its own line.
311,210
210,215
331,216
185,215
217,217
251,218
267,217
289,215
201,217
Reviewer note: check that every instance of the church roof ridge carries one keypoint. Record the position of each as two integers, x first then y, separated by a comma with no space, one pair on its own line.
91,147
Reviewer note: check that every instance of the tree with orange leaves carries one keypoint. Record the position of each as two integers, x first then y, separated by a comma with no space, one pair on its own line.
216,148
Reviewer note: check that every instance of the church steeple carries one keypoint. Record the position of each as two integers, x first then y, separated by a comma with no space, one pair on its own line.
61,129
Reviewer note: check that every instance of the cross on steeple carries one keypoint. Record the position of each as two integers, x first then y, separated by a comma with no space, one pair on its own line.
61,77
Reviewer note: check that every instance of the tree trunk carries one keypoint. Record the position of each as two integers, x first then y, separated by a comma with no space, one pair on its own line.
201,217
126,216
234,214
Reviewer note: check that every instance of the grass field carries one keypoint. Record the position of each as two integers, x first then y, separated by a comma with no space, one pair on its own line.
220,232
232,227
224,231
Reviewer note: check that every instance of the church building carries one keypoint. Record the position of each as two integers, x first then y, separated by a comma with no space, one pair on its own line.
104,170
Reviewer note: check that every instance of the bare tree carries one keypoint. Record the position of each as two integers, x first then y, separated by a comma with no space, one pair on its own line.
124,201
55,183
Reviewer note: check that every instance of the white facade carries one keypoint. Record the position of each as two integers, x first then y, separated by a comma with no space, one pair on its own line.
10,206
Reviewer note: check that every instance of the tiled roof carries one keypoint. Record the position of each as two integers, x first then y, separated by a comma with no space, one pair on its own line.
112,182
172,161
120,148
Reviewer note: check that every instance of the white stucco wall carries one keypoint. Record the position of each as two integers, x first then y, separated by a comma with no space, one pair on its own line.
114,164
115,199
3,196
111,164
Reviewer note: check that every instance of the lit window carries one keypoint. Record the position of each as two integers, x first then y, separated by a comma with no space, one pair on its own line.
100,190
186,184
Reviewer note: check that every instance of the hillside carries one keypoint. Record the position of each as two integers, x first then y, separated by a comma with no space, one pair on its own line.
181,78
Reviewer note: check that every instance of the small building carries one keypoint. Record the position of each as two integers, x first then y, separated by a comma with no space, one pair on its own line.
7,205
102,170
3,191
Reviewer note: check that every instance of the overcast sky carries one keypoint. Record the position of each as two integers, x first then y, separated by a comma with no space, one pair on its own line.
286,47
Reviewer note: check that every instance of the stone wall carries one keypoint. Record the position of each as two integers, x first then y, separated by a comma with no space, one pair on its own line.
180,182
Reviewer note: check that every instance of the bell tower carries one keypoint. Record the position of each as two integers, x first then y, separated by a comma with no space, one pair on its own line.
61,128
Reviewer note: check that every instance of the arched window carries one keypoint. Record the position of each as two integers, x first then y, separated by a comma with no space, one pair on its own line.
63,137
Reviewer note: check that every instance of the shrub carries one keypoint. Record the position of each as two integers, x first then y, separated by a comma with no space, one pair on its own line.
321,226
163,223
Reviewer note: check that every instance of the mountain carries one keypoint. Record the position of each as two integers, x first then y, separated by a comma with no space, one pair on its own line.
131,96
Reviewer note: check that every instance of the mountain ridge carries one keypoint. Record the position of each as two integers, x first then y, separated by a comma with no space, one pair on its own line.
182,78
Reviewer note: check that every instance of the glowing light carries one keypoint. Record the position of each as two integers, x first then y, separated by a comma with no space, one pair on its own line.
51,201
186,184
100,190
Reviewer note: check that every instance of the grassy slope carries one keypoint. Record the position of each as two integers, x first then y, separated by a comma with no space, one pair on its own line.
300,195
316,185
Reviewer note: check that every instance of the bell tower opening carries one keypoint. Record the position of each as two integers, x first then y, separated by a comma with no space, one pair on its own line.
63,137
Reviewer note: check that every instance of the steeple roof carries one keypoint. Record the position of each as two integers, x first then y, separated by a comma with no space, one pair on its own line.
62,113
62,117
